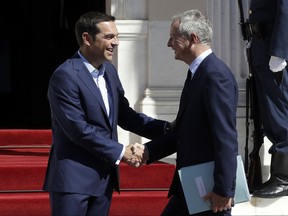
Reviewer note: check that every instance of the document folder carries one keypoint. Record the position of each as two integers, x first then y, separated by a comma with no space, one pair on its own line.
197,181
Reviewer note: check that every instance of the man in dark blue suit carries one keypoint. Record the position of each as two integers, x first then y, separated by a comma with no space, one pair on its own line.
205,126
87,102
269,54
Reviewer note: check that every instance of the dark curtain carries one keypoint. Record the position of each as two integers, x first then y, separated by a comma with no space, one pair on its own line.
36,36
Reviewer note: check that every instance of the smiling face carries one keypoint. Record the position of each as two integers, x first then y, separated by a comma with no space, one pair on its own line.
102,46
178,42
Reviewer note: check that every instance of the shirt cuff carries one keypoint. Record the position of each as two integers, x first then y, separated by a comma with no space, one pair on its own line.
167,128
121,155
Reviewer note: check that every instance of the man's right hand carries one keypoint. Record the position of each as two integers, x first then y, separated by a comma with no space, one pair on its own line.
132,156
140,151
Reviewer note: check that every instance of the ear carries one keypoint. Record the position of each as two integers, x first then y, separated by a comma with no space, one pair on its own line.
87,39
194,39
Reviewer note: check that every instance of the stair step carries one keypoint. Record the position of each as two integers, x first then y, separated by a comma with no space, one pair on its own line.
262,206
128,203
138,203
157,175
25,137
24,169
131,203
23,161
24,204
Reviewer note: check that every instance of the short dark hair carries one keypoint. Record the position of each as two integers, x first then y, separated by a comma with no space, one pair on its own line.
88,23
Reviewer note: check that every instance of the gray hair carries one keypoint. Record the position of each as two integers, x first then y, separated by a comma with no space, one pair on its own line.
193,21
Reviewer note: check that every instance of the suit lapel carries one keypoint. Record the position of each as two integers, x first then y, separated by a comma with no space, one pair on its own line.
85,76
112,92
189,90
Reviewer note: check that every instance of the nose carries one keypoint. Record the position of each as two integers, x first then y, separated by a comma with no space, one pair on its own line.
115,41
169,43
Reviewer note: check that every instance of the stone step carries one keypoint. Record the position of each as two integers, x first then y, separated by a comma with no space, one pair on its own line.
261,206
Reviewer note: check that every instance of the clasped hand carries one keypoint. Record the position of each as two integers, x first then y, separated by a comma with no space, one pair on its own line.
135,155
218,203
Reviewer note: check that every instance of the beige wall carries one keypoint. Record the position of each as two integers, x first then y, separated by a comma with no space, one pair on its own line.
165,9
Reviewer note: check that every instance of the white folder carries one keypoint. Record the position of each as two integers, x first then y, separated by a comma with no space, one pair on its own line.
197,181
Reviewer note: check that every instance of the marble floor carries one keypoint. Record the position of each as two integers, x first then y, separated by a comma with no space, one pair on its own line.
260,206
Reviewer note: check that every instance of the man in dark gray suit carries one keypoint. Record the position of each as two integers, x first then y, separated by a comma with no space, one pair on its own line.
269,55
87,102
205,127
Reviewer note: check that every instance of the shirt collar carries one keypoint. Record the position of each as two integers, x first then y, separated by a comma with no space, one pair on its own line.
90,67
195,64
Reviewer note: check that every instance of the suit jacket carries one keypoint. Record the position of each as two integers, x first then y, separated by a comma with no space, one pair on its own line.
271,18
205,126
85,147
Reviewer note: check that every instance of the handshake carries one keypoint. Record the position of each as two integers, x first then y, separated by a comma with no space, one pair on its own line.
135,155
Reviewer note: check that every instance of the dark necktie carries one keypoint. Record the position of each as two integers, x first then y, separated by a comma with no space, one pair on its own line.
185,92
187,82
189,78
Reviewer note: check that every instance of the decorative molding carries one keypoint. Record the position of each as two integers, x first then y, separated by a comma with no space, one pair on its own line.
129,9
164,101
132,29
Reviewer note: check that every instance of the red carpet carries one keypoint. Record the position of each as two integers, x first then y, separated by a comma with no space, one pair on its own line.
25,137
23,169
23,161
138,203
24,204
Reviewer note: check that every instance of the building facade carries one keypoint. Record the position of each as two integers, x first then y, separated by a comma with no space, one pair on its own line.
151,77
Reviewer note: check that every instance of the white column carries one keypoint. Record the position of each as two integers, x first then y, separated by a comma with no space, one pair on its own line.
132,63
131,58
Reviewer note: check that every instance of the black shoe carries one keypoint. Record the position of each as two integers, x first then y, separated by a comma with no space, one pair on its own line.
274,187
